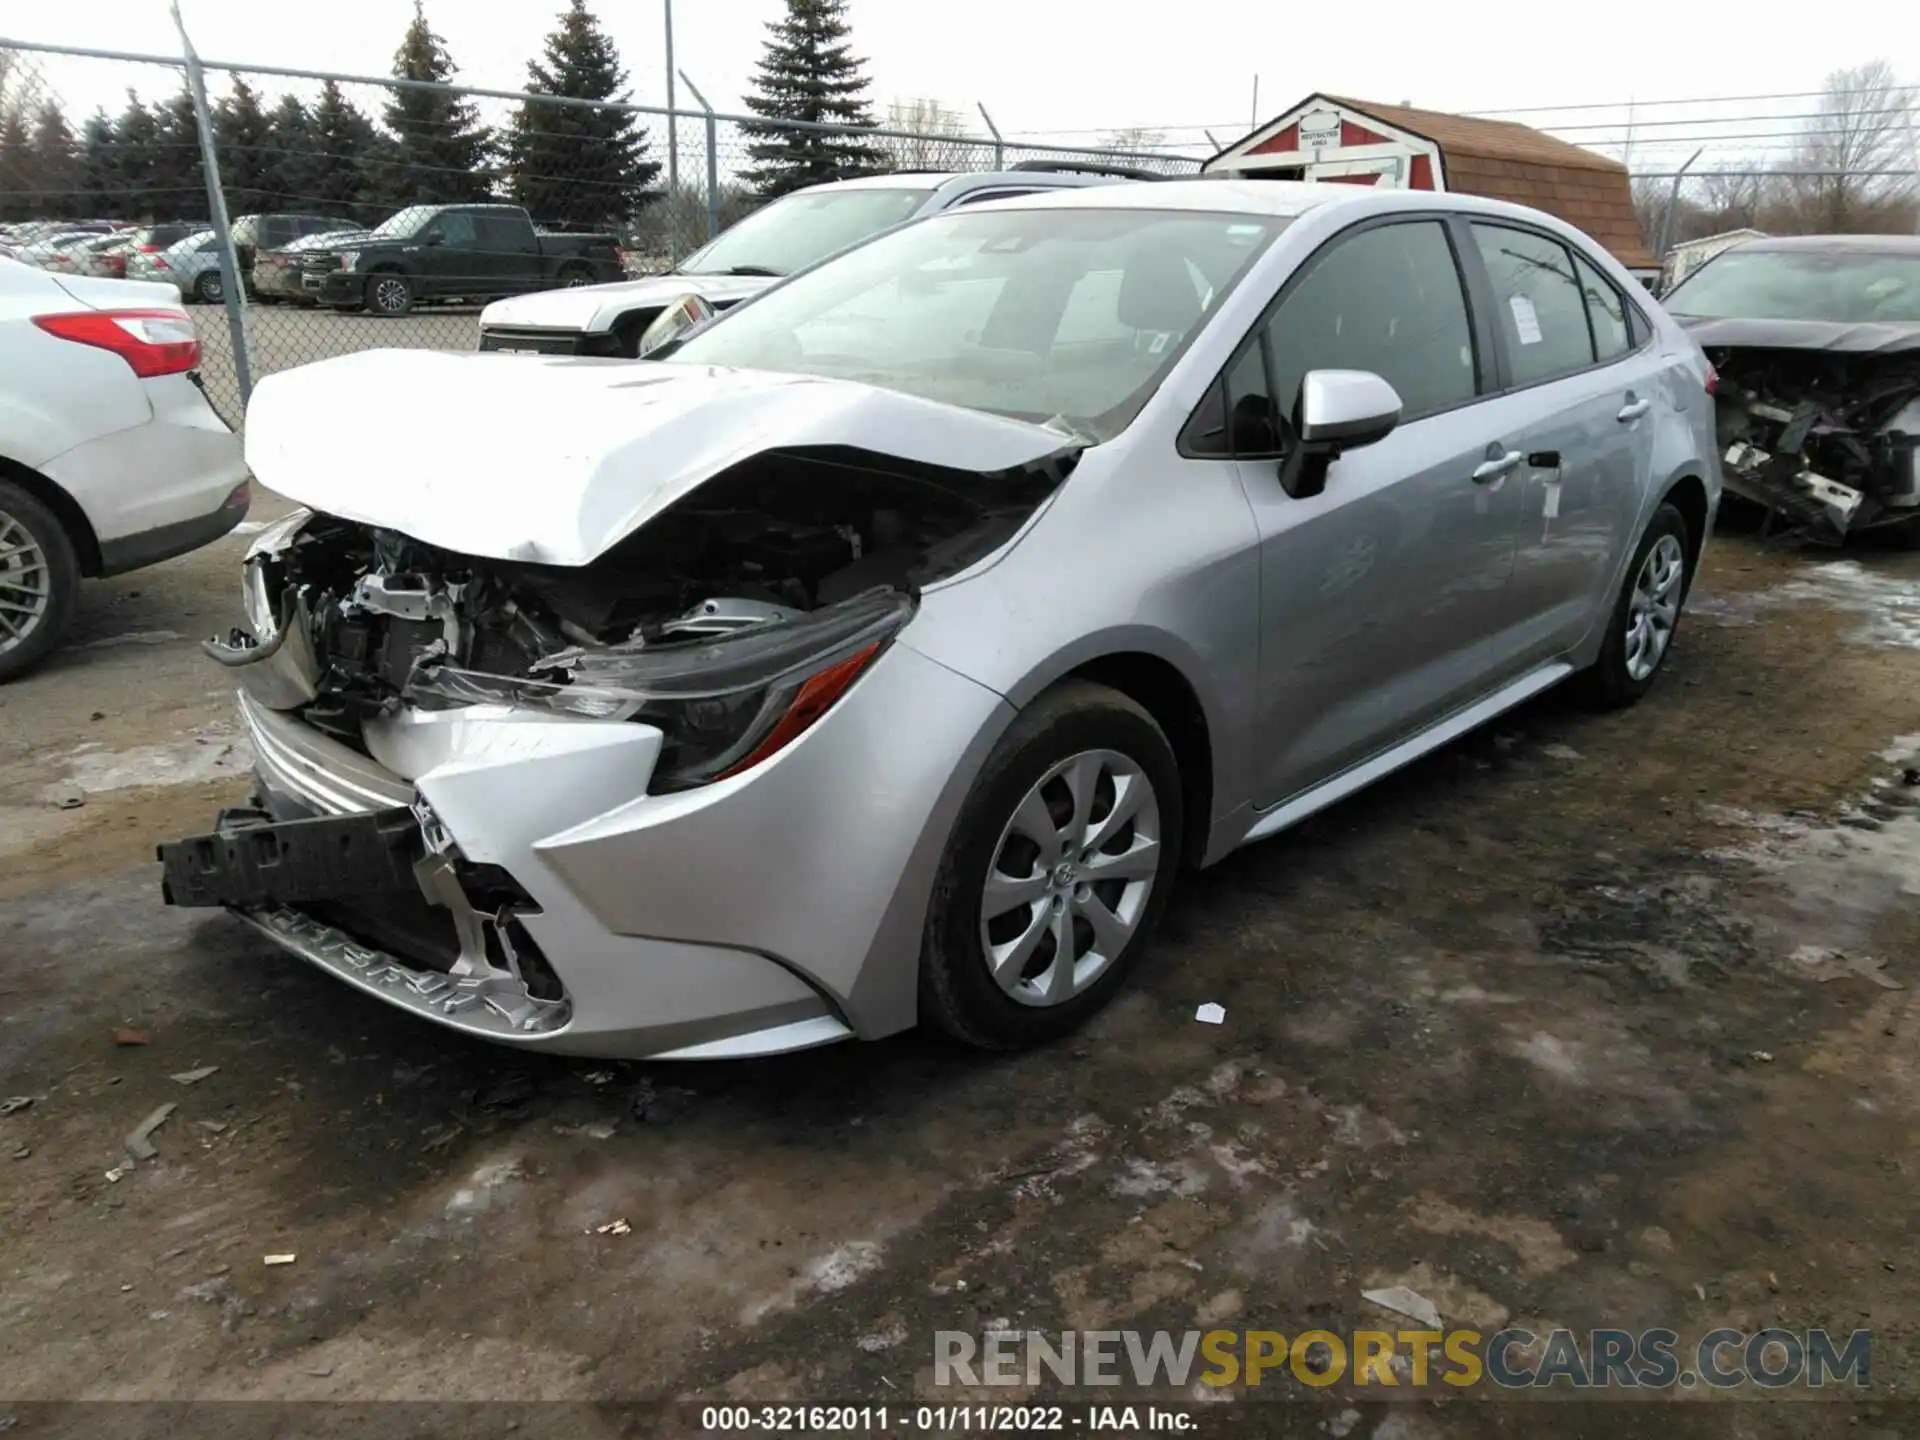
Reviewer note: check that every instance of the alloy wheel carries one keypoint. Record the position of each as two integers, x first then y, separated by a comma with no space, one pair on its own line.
1070,877
1655,607
390,296
26,584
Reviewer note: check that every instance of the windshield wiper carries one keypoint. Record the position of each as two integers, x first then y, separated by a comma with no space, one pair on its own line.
770,274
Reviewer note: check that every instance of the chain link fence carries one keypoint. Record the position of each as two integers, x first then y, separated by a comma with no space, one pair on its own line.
311,169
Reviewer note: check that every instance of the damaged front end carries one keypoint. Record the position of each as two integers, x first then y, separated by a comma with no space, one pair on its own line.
1826,441
703,643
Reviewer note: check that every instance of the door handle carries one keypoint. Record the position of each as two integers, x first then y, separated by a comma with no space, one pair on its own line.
1493,469
1633,410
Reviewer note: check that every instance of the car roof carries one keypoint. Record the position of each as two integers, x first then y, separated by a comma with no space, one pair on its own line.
1836,244
1248,197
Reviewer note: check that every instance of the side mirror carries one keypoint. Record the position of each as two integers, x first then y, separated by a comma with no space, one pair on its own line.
434,237
679,321
1339,410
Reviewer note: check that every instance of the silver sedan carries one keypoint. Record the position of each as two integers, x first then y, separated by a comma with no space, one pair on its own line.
881,652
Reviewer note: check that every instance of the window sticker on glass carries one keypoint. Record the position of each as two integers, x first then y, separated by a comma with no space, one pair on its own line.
1526,323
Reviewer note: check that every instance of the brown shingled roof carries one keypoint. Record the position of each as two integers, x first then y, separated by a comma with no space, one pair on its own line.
1503,160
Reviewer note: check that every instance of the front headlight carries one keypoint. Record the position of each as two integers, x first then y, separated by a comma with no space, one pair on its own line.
349,259
722,705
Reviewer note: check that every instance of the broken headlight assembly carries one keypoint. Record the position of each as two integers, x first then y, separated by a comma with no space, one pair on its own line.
722,705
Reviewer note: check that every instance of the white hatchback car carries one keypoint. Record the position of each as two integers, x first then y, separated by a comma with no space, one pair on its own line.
110,456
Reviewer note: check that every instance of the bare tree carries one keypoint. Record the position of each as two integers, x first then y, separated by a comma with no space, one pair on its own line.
1731,199
934,138
1860,130
1134,140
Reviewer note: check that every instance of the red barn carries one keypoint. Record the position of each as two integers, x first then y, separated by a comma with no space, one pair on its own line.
1356,142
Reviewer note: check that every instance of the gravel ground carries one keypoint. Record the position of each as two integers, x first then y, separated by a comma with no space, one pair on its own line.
1584,1021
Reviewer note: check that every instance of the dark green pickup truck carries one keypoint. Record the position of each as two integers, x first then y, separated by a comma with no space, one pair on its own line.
454,252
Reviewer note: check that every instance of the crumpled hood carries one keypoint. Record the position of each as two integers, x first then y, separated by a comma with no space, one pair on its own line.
554,460
1890,338
595,308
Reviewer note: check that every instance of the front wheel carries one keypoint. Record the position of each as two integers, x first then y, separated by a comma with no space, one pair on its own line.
1058,870
389,294
39,580
1640,629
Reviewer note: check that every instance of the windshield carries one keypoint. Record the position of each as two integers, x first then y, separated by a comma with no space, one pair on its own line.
406,223
1848,288
796,230
1034,314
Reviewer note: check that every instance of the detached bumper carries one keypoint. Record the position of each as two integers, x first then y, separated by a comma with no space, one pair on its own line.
776,910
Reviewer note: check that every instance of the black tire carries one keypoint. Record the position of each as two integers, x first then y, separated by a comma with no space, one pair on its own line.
389,293
1608,683
958,993
208,288
58,569
571,276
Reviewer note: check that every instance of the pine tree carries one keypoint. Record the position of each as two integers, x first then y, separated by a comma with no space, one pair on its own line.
20,197
568,164
56,163
240,135
437,151
100,170
344,143
293,158
136,162
809,73
176,179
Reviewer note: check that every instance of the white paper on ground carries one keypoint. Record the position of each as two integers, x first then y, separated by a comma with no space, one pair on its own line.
1211,1014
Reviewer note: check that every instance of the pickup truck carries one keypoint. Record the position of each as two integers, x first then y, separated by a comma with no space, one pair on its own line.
789,234
448,252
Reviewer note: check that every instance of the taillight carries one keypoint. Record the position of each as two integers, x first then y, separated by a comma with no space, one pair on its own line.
153,342
1713,381
149,249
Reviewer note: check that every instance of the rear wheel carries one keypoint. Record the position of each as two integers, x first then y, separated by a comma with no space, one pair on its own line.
1640,630
39,580
572,277
207,287
1059,868
389,294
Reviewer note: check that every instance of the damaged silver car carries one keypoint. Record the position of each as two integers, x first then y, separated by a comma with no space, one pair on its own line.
881,652
1815,340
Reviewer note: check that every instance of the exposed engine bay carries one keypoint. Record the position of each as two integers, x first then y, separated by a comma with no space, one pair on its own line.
1827,442
710,621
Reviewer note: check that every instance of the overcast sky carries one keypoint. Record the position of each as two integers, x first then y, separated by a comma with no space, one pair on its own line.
1075,67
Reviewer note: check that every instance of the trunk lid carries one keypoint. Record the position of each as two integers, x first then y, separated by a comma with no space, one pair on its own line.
101,294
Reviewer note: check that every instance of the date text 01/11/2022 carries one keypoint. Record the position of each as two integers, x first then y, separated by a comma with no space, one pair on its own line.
944,1419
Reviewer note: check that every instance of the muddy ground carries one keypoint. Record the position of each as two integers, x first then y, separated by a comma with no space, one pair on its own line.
1585,1021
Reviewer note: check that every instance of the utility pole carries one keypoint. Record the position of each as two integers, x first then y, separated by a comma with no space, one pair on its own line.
673,128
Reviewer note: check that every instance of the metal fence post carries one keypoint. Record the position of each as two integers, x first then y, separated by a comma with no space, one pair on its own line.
713,157
999,145
1673,204
230,282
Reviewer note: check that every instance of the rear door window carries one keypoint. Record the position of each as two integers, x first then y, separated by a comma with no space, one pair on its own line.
1538,303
